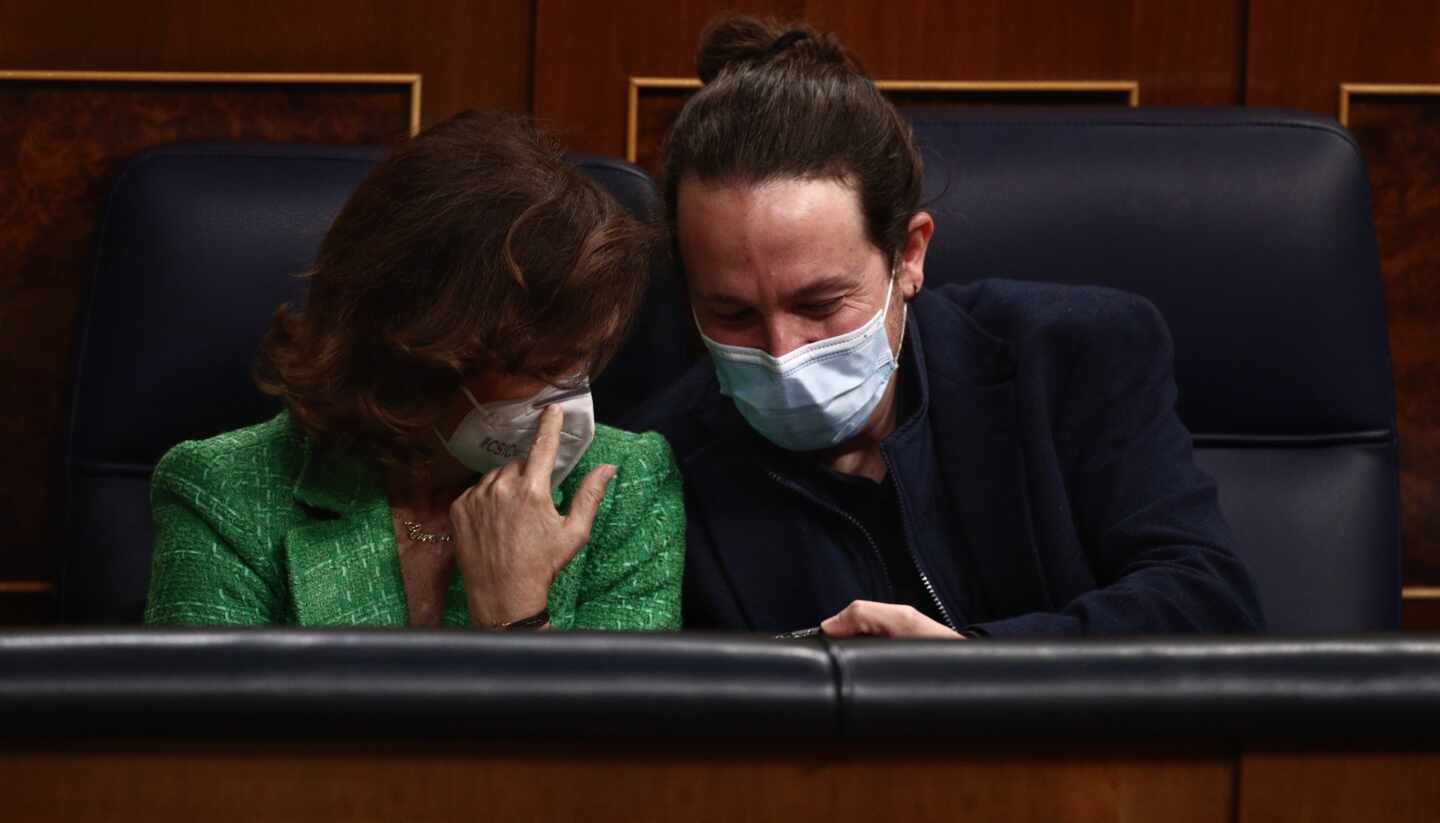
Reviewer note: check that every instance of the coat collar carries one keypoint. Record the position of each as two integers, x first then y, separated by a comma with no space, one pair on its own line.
342,561
968,390
951,344
337,483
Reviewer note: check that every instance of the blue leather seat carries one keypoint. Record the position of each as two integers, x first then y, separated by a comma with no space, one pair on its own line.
198,245
1251,231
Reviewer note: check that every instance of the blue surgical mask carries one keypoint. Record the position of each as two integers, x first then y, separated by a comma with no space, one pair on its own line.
816,396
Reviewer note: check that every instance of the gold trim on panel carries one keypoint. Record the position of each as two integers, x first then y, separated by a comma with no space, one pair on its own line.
26,587
1131,88
632,105
411,81
1347,90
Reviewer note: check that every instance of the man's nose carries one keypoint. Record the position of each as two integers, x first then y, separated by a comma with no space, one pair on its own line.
782,336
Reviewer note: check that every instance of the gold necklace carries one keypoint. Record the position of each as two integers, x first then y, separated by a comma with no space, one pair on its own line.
413,531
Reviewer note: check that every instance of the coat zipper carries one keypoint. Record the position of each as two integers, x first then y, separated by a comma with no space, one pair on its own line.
874,547
910,547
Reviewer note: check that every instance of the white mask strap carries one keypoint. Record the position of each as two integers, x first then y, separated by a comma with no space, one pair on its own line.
470,396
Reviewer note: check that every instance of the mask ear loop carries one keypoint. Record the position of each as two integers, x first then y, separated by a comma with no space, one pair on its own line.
561,397
470,397
444,441
904,309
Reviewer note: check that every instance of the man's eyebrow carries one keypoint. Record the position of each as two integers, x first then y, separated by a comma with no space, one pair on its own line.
827,286
824,286
711,297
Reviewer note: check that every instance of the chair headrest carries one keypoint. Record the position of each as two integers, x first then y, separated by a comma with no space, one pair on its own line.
1249,229
199,244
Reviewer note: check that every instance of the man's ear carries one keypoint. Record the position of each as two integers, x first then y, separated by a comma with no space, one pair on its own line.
911,272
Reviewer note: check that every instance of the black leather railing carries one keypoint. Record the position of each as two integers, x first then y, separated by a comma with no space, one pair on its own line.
309,684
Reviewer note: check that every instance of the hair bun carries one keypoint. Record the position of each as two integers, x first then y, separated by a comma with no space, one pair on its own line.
733,41
787,40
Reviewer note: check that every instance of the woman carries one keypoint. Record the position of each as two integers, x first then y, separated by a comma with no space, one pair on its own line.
471,287
873,457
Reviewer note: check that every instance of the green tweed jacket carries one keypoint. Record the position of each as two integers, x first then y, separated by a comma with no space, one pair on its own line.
258,526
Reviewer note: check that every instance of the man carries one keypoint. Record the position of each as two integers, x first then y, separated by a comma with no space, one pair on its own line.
1000,459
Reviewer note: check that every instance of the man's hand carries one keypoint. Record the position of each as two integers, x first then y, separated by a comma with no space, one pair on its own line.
866,617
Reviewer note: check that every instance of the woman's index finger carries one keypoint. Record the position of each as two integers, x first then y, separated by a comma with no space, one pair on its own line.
541,460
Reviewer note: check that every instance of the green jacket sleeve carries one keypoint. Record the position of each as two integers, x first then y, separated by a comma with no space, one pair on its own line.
197,575
636,587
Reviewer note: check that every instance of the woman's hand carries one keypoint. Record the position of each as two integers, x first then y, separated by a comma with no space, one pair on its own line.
510,542
865,617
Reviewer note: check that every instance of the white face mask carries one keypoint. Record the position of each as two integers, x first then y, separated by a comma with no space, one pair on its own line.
493,434
816,396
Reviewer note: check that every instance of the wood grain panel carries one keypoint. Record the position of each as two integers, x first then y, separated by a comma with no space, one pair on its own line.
585,54
472,55
1342,786
1400,138
618,781
655,103
1183,52
1421,614
1300,53
60,144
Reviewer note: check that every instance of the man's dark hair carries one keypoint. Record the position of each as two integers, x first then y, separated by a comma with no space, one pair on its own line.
785,101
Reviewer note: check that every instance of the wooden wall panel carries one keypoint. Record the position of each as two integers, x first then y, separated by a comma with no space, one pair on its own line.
472,55
57,152
618,780
835,781
585,54
1299,55
1338,785
1183,52
656,103
1400,138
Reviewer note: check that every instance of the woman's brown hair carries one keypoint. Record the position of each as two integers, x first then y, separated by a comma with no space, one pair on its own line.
474,247
787,101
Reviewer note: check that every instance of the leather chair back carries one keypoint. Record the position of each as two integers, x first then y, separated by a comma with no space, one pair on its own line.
1251,231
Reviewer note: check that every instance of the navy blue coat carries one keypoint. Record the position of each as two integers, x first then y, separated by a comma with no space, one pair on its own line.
1046,484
